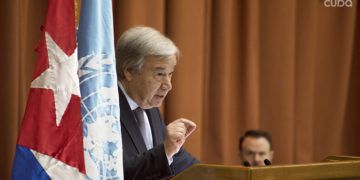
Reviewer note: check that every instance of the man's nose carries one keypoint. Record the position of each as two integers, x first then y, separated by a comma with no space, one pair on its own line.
166,84
257,158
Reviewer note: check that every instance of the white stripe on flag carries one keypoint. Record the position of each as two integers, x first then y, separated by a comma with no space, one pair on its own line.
57,169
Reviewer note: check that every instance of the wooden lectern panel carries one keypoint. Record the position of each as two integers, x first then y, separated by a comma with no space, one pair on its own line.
214,172
327,170
334,167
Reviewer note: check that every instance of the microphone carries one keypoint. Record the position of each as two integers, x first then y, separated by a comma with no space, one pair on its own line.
246,164
267,162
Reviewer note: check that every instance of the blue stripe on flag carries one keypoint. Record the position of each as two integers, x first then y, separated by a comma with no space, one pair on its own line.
26,166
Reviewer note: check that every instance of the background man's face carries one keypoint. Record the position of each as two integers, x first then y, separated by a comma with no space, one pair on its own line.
255,150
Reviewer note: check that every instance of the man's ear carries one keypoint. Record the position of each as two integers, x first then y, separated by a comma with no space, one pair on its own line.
128,73
241,154
271,155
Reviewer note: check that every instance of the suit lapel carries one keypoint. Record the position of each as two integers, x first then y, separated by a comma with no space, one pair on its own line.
127,119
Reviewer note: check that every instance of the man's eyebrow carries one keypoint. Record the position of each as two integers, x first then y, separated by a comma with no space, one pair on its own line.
159,68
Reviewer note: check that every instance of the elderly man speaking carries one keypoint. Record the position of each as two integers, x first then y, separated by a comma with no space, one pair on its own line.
145,63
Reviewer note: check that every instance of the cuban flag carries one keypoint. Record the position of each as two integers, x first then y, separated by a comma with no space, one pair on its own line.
99,92
50,143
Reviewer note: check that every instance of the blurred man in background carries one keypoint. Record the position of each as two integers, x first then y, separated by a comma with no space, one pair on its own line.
256,148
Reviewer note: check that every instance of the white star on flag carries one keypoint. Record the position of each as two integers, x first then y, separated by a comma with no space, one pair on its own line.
61,76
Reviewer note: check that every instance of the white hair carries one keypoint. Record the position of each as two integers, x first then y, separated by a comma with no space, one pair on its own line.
137,43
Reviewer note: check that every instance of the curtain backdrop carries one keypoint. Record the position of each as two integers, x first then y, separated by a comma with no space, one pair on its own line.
291,67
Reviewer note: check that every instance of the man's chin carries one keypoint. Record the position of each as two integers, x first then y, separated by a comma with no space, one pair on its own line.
152,105
157,104
157,101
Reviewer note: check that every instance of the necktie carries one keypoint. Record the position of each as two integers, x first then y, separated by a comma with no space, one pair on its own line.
144,127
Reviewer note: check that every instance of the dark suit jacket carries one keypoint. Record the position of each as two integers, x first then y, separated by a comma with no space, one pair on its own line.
140,163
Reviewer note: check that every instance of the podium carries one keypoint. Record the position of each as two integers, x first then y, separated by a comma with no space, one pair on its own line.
333,167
